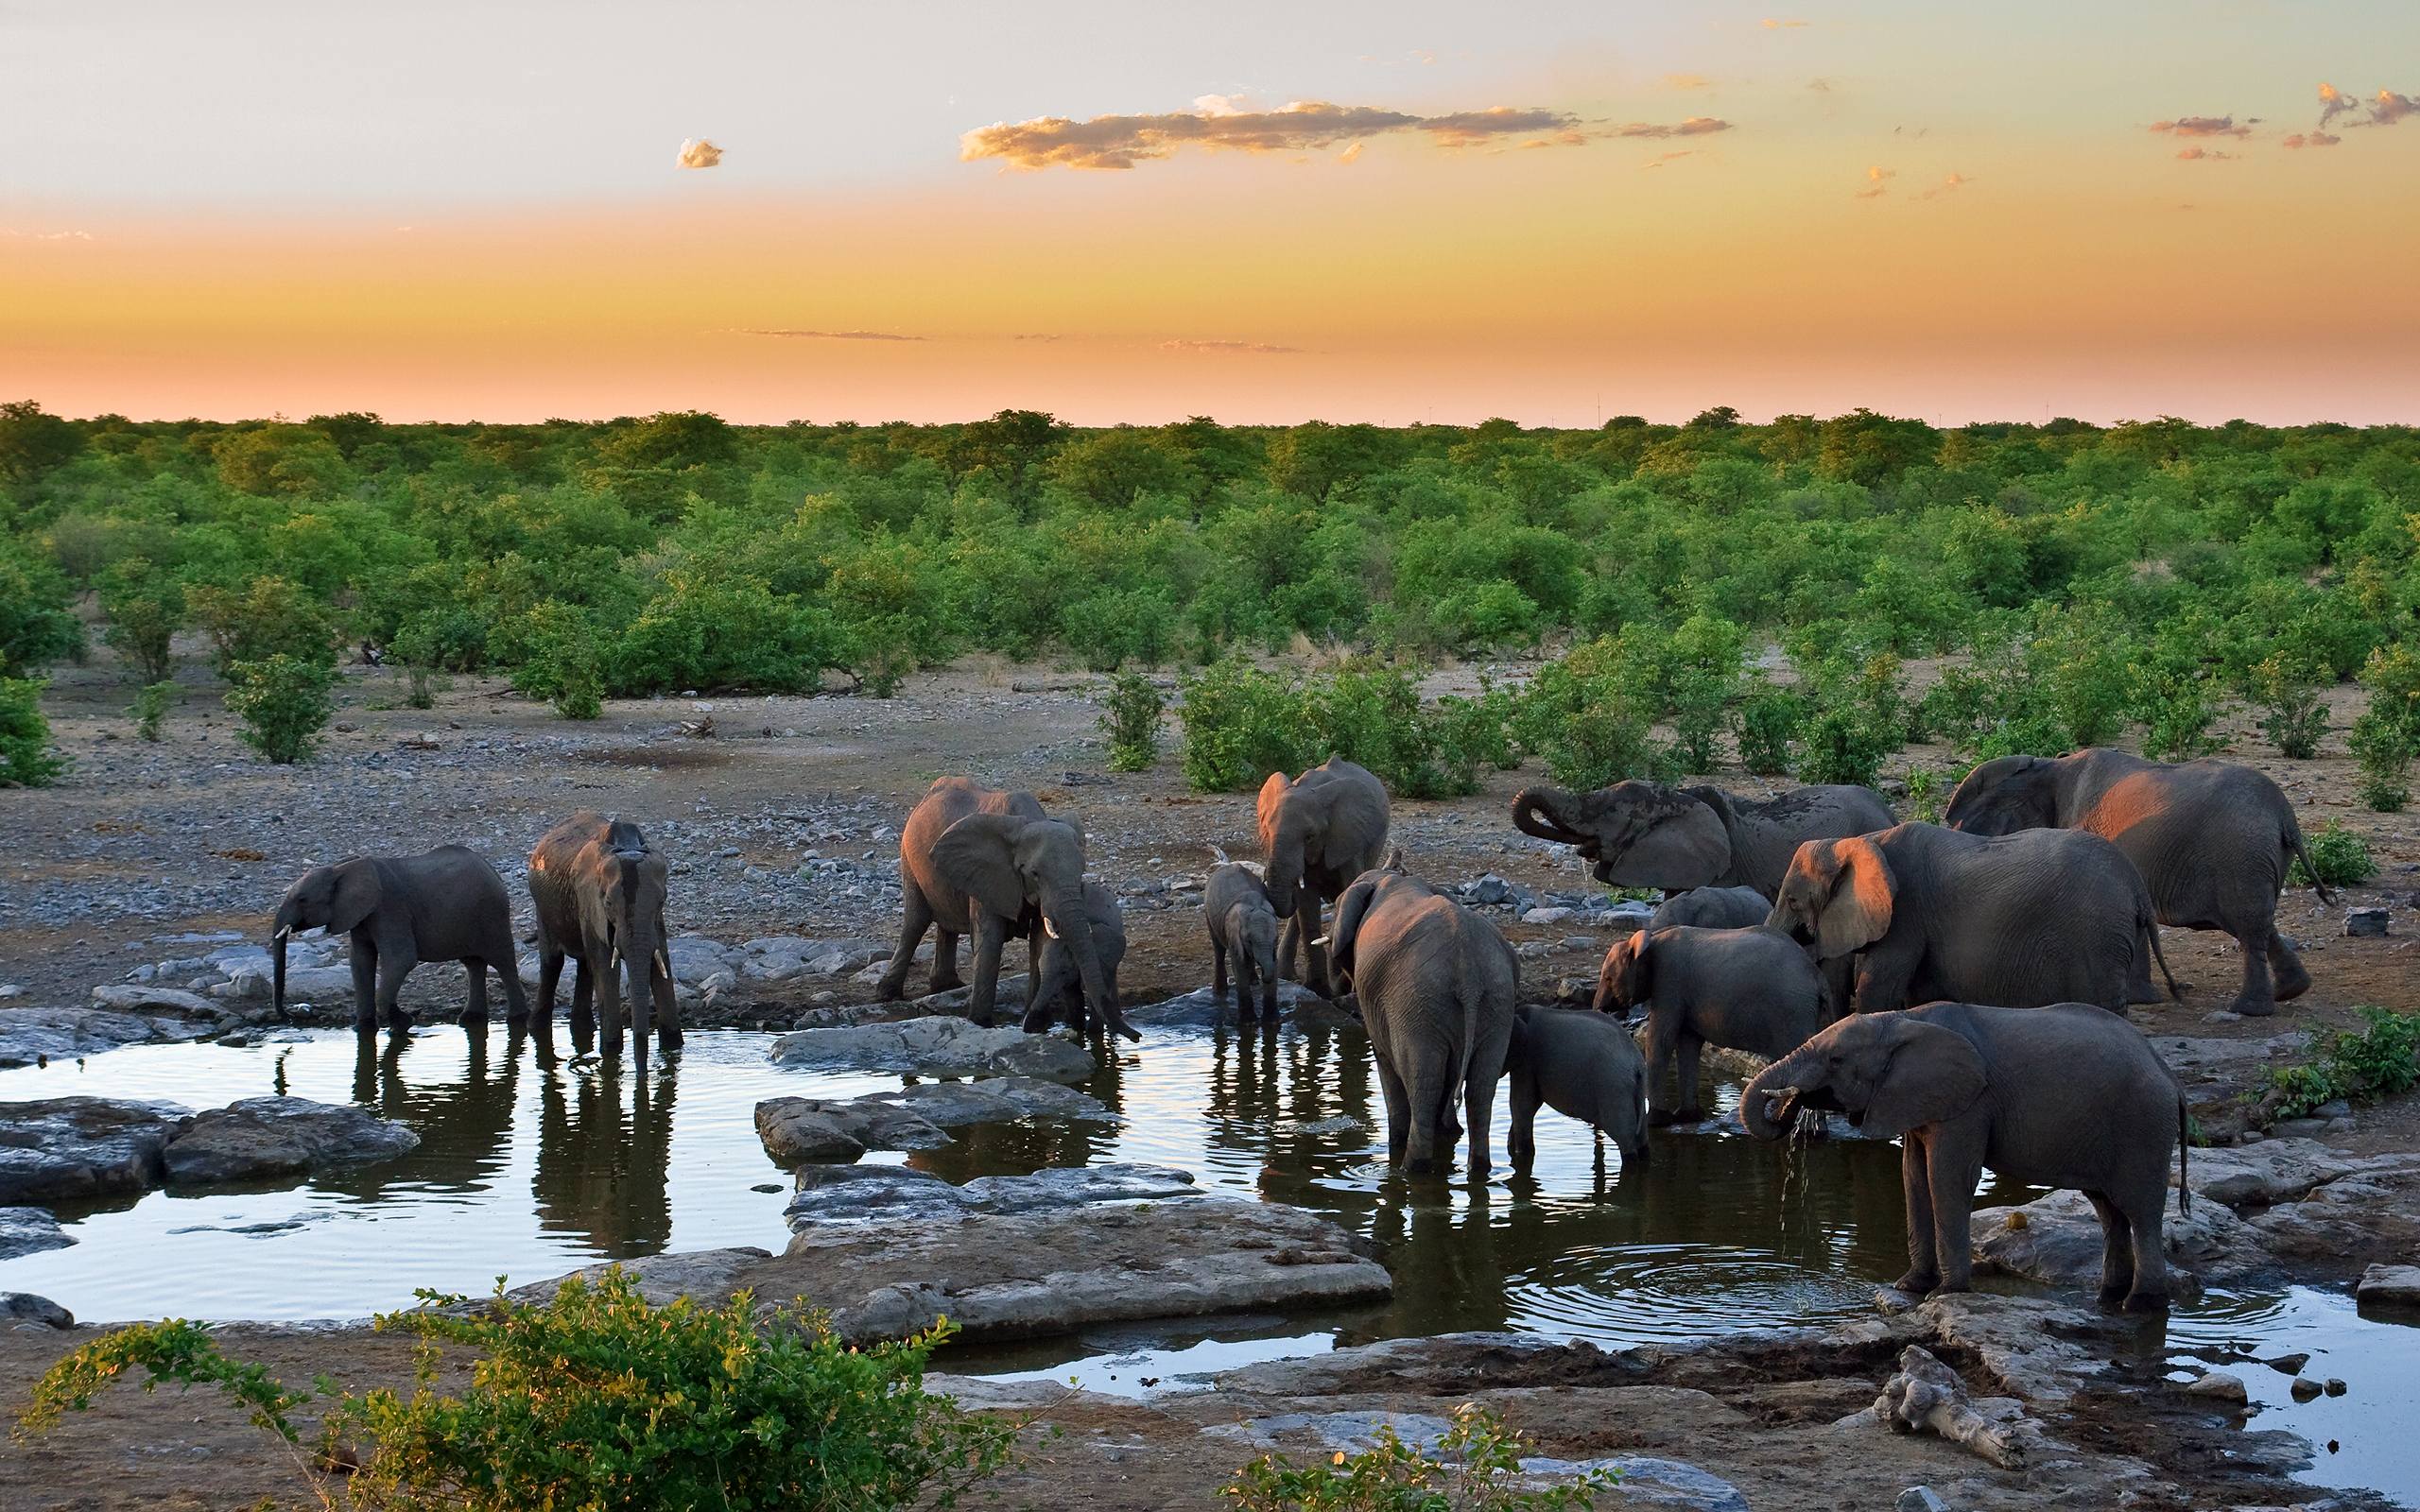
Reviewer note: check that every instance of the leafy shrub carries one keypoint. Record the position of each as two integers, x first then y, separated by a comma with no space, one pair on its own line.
1701,678
2287,692
2382,752
285,702
1241,723
26,757
146,607
595,1400
1604,740
1859,718
1131,719
1373,715
561,662
1476,1466
2381,1060
1927,797
709,635
36,627
1766,724
269,617
1113,628
2340,856
150,709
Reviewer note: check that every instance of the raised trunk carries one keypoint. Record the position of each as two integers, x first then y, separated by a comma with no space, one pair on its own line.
1536,811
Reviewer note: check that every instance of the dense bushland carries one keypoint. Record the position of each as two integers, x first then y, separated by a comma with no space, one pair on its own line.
2124,582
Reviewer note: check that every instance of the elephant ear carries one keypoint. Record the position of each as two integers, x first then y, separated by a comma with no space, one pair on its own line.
1858,912
978,854
1272,796
1678,843
1929,1074
1634,974
1350,908
355,896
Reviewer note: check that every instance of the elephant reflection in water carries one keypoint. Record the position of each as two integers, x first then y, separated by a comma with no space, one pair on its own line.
1021,1148
604,1154
464,1124
1452,1267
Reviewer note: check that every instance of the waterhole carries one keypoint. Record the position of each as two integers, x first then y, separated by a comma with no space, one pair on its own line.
529,1172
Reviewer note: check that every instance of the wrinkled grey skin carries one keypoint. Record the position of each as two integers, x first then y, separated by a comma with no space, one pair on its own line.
1713,908
446,905
974,861
599,891
2063,1095
1437,987
1058,987
2045,916
1584,1065
1651,835
2212,840
1752,990
1243,927
1319,832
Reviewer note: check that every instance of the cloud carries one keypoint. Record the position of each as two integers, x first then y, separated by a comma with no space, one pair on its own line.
50,235
1772,25
1217,123
1876,182
2312,139
1821,86
1694,126
2202,155
1352,154
1947,186
696,152
1663,158
1687,81
1261,348
2202,125
2333,102
827,335
2387,107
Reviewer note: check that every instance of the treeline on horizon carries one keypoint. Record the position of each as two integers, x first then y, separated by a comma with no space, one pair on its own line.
2158,568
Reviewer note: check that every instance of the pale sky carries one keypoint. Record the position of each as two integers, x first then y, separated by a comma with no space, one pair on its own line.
1265,213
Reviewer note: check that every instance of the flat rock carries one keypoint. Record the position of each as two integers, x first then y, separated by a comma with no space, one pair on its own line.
145,998
73,1148
2219,1386
262,1138
1650,1482
2269,1171
29,1232
1201,1008
899,1191
2389,1287
31,1035
936,1045
993,1100
2056,1239
801,1129
25,1307
1439,1364
257,982
696,958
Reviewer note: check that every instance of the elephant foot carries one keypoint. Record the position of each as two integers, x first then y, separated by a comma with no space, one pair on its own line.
2146,1302
398,1019
950,982
1917,1283
2292,981
2253,1007
2111,1296
670,1040
888,990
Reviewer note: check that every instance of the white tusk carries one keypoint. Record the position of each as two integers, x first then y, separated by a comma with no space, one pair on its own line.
665,961
1323,941
281,933
1048,928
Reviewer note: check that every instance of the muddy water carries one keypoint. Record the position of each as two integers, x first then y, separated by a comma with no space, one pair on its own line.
527,1172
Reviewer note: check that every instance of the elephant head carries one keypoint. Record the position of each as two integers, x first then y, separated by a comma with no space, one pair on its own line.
627,897
2005,794
1627,977
1017,867
1294,821
1837,896
1352,906
1638,833
334,898
1888,1072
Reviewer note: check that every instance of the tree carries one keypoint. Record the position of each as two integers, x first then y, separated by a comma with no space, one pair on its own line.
36,627
271,461
145,609
33,443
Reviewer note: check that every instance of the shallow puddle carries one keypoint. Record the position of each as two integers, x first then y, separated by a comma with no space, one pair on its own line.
527,1173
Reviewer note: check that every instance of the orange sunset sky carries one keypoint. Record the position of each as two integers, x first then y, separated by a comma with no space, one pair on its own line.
1264,212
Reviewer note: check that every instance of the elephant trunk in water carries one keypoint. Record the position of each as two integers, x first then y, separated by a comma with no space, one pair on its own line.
277,968
640,949
1067,919
1777,1082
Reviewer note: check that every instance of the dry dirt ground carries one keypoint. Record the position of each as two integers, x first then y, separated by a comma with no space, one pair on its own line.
143,842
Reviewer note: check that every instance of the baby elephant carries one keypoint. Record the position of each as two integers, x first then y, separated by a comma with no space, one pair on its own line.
1058,991
446,905
2066,1096
1584,1065
1243,925
1713,908
1751,989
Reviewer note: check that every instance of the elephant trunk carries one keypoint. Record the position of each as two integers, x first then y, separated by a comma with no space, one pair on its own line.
277,967
1075,937
638,959
1285,875
1535,811
1776,1082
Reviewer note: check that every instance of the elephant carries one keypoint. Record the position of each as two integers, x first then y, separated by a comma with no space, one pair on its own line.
1584,1065
446,905
2041,916
1243,927
2062,1096
599,891
1058,987
1437,986
1319,832
2212,840
1650,835
1751,989
1713,908
976,861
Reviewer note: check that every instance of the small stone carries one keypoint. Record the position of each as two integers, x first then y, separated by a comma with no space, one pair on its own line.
2219,1386
2291,1365
1546,916
25,1307
1921,1499
2365,923
2338,1108
2304,1390
2335,1387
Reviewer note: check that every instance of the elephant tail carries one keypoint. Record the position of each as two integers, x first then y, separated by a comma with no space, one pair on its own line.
1470,999
2294,842
2149,924
2183,1162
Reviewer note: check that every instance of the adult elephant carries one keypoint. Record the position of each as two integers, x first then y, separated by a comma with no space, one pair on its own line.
2058,1096
1319,832
1651,835
599,890
2044,915
446,905
980,862
2212,840
1438,987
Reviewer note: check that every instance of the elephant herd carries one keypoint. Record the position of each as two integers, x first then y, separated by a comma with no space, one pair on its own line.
1958,987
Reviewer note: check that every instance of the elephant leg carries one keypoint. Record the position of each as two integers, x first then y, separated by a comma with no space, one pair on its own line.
2138,976
1219,969
1289,934
1521,1139
991,936
1398,1112
508,972
1479,1110
943,976
1924,1262
392,966
2117,1250
365,987
583,1013
2257,1000
1953,1170
2144,1212
474,997
2292,981
917,918
1315,964
1691,1112
1882,980
1662,1052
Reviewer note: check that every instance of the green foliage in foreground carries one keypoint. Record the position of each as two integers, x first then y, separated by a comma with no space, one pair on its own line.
1476,1466
149,709
2351,1065
27,756
595,1401
2340,857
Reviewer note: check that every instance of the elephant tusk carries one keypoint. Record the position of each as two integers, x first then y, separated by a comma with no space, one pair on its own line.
664,960
282,932
1323,941
1048,928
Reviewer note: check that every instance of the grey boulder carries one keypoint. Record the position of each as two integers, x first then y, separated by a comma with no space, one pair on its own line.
937,1045
21,1308
29,1232
864,1194
79,1148
31,1035
263,1139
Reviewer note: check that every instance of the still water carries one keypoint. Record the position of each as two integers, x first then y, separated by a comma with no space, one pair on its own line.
527,1173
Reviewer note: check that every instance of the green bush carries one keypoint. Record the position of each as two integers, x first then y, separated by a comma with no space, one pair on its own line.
594,1400
146,607
713,635
1604,741
1241,723
269,617
1767,724
1475,1466
151,709
2287,692
285,702
2379,1060
2340,856
2382,754
1113,628
1131,719
1859,718
27,756
561,662
36,626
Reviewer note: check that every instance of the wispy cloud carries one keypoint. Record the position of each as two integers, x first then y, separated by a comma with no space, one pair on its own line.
1220,123
2333,102
696,152
1663,158
830,335
1687,81
1877,183
2387,107
2312,139
1352,153
1694,126
1949,185
1771,24
2202,126
48,235
1257,348
1821,86
2203,155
